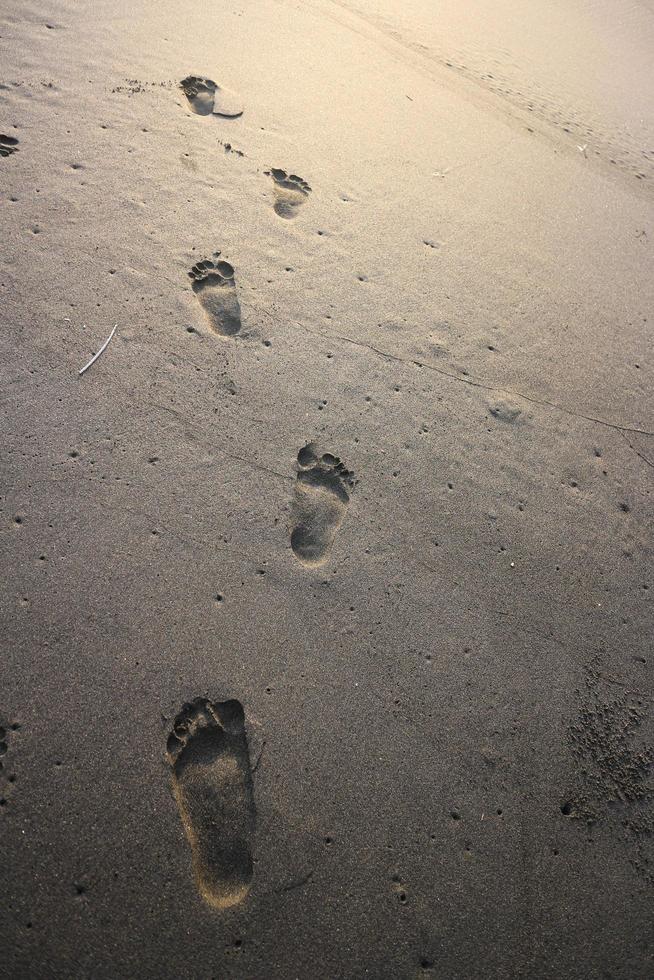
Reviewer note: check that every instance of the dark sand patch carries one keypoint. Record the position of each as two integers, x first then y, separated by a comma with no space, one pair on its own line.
8,145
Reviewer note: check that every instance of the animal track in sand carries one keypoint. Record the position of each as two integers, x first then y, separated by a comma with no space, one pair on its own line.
322,496
214,286
206,98
212,783
290,192
8,144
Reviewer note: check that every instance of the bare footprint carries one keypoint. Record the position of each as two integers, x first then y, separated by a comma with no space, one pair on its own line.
206,98
212,783
290,192
8,144
214,286
322,496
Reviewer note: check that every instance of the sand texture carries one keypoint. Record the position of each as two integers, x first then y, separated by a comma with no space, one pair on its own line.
326,619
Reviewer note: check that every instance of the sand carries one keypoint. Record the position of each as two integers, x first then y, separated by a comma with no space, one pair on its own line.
325,619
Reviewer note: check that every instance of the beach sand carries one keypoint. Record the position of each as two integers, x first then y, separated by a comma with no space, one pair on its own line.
326,619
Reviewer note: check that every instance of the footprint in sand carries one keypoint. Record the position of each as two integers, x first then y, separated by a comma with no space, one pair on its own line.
214,286
212,783
206,98
290,192
322,495
8,144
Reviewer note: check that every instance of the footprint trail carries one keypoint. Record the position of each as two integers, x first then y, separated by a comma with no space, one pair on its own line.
214,286
212,783
290,192
322,496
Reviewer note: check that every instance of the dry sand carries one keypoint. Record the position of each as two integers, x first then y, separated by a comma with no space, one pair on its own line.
380,709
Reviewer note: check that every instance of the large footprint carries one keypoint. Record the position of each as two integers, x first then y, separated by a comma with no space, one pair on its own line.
205,97
290,192
322,495
214,286
212,782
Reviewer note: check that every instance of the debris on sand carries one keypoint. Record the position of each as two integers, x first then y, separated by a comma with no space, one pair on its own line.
103,348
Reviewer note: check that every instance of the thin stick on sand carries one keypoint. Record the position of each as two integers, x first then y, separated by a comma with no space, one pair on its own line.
104,347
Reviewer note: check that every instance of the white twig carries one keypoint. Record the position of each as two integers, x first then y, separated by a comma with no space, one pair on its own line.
104,346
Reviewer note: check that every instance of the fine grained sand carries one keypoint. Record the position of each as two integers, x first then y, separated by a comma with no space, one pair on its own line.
434,284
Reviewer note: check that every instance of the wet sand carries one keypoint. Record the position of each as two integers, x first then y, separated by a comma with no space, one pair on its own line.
326,619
